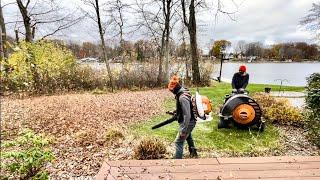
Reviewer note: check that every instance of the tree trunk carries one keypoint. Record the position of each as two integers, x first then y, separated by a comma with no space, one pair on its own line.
122,49
33,32
192,28
1,46
17,36
167,55
185,56
167,12
26,20
104,56
3,35
160,75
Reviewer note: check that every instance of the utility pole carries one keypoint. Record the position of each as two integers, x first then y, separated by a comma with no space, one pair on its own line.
219,78
222,53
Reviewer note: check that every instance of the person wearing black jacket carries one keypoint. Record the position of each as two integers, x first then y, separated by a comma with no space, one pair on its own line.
185,117
240,80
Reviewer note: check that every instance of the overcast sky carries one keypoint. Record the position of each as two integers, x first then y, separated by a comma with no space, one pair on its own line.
267,21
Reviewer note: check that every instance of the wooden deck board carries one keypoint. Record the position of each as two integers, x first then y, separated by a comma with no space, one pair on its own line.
227,168
277,159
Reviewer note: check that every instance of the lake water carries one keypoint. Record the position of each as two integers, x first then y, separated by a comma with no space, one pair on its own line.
293,74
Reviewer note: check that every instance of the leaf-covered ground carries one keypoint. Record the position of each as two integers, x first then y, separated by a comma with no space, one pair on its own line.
79,126
78,123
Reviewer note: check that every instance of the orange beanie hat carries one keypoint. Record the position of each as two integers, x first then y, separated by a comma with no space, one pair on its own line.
174,81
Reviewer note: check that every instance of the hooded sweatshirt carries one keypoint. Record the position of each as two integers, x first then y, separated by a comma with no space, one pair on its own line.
240,81
185,114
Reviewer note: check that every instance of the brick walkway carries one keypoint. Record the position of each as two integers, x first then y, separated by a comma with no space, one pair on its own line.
216,168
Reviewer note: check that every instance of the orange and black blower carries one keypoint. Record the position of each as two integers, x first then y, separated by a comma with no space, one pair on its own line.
241,111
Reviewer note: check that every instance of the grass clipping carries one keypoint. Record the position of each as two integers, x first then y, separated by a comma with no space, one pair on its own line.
150,148
279,110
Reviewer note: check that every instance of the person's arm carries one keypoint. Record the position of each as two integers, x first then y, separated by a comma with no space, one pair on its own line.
186,112
233,81
246,81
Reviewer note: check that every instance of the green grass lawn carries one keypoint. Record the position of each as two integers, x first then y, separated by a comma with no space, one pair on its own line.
208,137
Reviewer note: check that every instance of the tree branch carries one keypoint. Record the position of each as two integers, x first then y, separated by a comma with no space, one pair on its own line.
183,4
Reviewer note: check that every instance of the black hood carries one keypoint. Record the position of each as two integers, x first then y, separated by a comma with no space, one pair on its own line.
181,90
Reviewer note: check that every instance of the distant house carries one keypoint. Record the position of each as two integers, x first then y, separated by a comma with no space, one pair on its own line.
240,55
252,58
89,60
229,56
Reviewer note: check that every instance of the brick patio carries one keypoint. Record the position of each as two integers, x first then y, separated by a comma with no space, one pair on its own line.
295,167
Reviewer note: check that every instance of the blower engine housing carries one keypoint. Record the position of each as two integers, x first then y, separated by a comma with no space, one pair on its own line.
242,111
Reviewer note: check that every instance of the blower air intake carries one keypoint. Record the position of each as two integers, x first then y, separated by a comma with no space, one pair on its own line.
241,111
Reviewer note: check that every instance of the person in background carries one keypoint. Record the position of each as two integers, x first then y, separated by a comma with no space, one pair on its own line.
185,118
240,80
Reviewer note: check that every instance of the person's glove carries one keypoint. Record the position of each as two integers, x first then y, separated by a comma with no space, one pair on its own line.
171,112
241,90
234,90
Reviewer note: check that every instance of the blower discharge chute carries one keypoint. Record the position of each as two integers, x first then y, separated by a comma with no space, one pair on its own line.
201,107
242,111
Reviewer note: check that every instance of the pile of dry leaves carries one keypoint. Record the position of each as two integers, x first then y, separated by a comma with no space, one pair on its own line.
78,124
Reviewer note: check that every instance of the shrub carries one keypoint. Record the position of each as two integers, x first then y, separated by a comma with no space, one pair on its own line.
84,78
264,100
278,110
44,67
283,113
26,156
85,138
37,66
206,70
313,92
113,135
313,126
313,108
137,75
150,148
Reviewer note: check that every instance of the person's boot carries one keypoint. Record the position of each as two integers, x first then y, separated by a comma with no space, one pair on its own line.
193,152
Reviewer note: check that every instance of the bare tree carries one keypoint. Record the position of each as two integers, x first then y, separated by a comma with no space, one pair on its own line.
191,24
3,34
158,22
184,49
36,14
4,42
254,49
116,10
97,18
312,20
167,6
153,23
26,19
241,47
1,46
